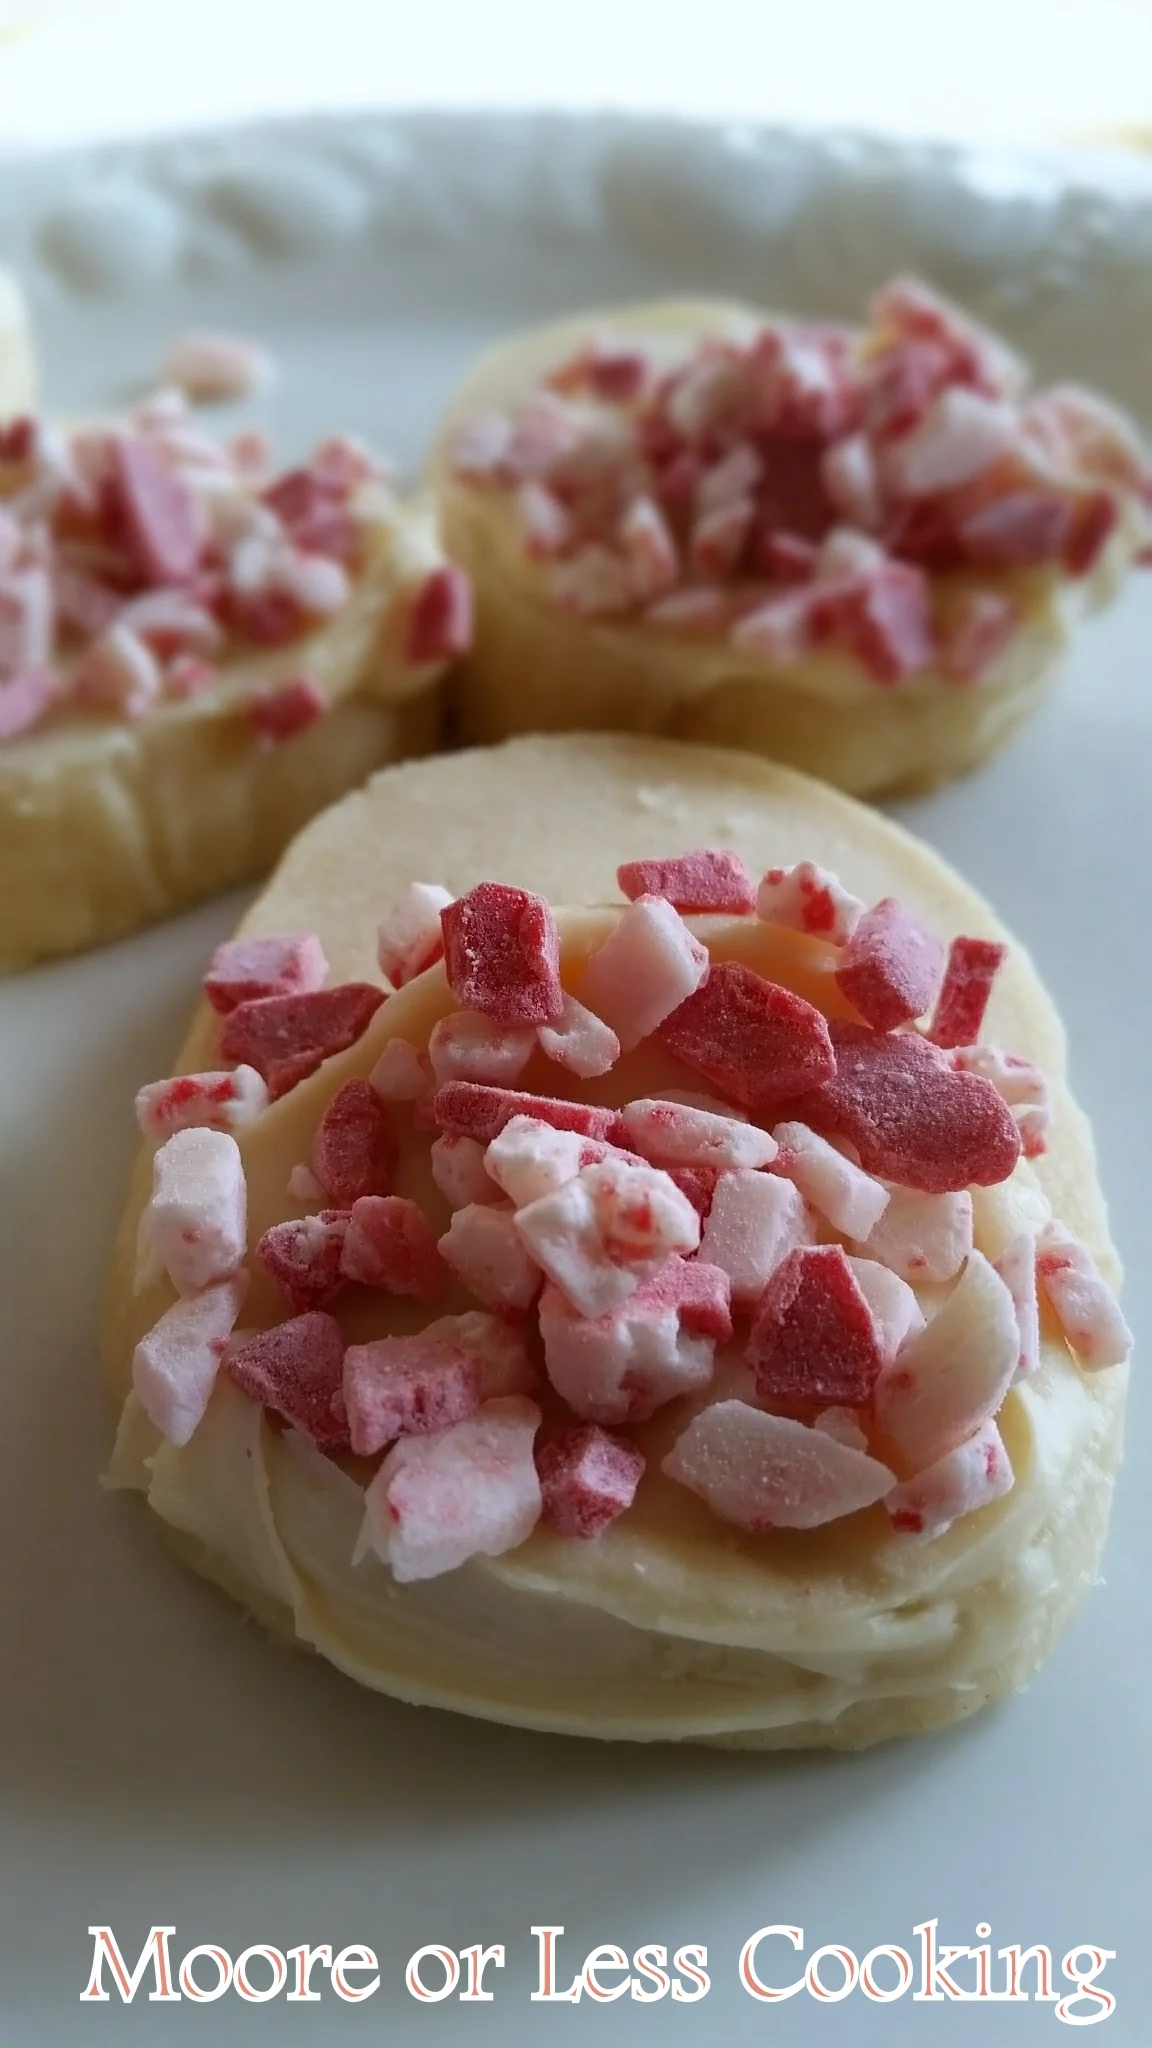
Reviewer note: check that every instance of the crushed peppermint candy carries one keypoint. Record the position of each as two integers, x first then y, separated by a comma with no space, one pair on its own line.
245,970
588,1478
810,899
287,1037
973,965
218,1102
297,1369
692,882
1083,1303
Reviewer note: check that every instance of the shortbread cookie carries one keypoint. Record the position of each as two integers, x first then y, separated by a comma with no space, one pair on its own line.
859,552
195,656
630,1326
17,372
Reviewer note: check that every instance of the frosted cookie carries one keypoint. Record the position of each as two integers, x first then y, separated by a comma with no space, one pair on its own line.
857,551
17,372
685,1318
196,654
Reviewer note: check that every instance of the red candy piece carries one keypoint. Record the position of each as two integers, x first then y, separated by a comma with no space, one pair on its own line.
304,1255
297,1368
814,1339
707,880
502,954
287,1037
973,965
247,970
151,513
886,621
408,1386
699,1293
896,1099
278,715
469,1109
440,618
587,1477
756,1042
354,1150
698,1183
891,966
390,1243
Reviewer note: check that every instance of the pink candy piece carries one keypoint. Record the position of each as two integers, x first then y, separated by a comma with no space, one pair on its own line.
754,1220
587,1479
459,1171
304,1255
644,970
497,1346
390,1243
487,1253
474,1111
884,618
973,965
1085,1306
408,934
699,1183
208,367
297,1368
767,1472
278,714
440,617
891,966
948,1379
970,1477
703,881
658,1344
921,1237
502,954
287,1037
814,1340
25,698
462,1492
1017,1082
755,1041
467,1046
196,1221
809,899
850,1199
409,937
174,1367
1018,531
911,1118
530,1159
578,1041
599,1235
673,1134
959,437
895,1309
978,627
220,1102
1017,1269
401,1074
354,1151
247,970
406,1386
151,512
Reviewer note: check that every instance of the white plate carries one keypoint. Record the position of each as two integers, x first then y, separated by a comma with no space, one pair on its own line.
159,1762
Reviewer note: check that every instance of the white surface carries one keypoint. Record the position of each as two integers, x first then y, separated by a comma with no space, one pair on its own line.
158,1760
1024,70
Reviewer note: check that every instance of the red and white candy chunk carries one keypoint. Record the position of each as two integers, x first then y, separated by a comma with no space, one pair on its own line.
810,899
660,1343
970,1477
502,954
174,1367
469,1047
462,1492
579,1041
676,1134
587,1479
409,937
196,1221
644,970
407,1386
487,1253
389,1243
754,1221
768,1472
599,1235
708,880
245,970
851,1200
1086,1308
218,1102
921,1237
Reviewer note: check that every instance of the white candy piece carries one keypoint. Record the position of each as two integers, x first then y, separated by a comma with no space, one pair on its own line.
459,1172
970,1477
602,1233
401,1074
622,1366
921,1237
530,1159
303,1185
217,1102
851,1199
767,1472
467,1491
174,1367
948,1379
755,1220
894,1306
1017,1269
811,899
487,1253
648,965
408,937
1086,1308
196,1221
579,1041
499,1346
673,1134
468,1047
961,435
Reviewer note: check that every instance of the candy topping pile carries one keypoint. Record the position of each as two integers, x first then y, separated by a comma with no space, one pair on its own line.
746,1245
810,487
137,560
